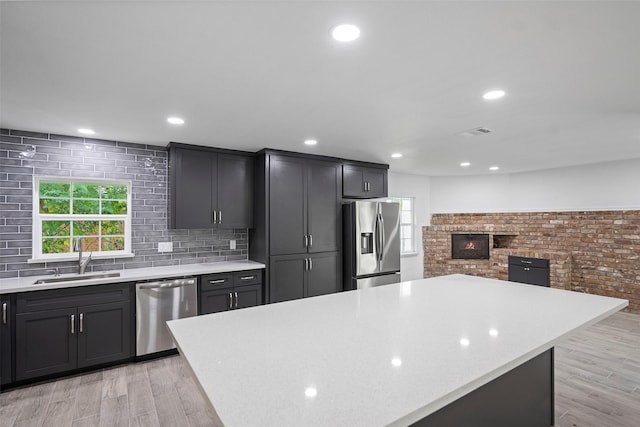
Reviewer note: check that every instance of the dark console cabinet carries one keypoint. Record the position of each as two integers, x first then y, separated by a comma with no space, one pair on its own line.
65,329
5,340
533,271
210,188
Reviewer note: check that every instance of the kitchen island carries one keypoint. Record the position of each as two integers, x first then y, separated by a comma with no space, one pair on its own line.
442,350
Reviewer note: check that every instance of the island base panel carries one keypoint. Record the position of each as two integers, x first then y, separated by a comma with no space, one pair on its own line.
522,397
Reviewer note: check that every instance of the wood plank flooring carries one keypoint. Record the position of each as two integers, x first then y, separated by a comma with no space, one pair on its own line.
597,384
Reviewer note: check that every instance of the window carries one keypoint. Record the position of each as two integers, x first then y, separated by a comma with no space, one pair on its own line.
407,224
97,212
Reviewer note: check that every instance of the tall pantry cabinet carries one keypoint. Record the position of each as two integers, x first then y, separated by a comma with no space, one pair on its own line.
297,230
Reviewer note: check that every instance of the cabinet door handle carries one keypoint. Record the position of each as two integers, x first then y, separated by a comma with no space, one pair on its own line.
73,324
247,277
310,240
219,217
213,282
306,264
215,216
81,322
310,264
236,294
230,300
527,269
4,313
306,240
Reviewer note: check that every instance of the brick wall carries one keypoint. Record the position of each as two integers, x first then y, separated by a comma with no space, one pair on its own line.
590,251
70,156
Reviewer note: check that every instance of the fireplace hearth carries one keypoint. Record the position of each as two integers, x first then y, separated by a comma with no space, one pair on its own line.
470,246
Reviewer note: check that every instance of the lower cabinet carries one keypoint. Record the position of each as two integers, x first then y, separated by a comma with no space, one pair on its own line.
230,291
5,340
304,275
65,329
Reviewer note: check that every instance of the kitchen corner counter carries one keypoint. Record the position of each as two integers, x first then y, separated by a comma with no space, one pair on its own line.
388,355
25,284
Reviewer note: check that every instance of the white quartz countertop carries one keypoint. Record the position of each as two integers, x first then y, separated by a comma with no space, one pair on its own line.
389,355
25,284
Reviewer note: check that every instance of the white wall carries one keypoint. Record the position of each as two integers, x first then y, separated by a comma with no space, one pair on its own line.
600,186
417,186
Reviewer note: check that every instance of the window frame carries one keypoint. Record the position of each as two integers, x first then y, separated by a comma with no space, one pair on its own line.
414,249
37,217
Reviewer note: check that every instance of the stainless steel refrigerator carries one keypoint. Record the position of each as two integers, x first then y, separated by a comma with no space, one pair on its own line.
371,244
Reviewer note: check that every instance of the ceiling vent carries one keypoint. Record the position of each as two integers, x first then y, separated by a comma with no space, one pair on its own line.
476,132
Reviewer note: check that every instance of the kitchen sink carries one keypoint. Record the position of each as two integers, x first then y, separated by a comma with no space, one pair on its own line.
75,278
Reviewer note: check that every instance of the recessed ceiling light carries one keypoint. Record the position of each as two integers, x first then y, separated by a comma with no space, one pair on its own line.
87,131
396,155
494,94
310,142
465,164
175,120
494,168
345,32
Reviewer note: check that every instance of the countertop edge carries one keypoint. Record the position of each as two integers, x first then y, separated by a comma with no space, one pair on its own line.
25,284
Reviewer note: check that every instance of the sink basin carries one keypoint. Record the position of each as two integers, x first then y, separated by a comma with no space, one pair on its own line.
75,278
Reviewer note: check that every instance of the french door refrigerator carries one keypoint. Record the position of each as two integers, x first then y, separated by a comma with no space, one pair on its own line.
371,244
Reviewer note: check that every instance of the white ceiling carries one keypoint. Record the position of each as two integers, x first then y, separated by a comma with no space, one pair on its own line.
249,75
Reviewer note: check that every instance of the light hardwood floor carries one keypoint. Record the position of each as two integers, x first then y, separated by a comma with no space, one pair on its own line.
597,385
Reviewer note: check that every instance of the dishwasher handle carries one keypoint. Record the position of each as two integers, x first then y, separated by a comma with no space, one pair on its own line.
178,283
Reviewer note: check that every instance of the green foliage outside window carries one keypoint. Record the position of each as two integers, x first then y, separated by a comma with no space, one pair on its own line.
71,199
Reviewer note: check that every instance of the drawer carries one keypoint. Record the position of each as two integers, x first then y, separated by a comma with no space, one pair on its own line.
529,275
215,281
529,262
27,302
248,277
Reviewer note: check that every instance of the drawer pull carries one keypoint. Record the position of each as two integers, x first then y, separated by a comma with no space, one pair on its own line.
248,278
214,282
525,262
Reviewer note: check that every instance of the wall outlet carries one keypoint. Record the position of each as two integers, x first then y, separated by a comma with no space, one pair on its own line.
165,246
232,244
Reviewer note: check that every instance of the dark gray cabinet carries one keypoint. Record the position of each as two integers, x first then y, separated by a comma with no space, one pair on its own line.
532,271
230,291
298,216
303,196
210,188
65,329
303,275
363,182
6,347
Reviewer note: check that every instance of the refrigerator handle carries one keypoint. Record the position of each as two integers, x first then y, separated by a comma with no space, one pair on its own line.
378,234
382,242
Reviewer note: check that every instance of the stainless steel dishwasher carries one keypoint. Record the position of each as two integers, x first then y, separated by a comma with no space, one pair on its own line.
156,303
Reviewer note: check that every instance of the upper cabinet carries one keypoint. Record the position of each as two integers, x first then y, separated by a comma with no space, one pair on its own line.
303,196
363,182
210,188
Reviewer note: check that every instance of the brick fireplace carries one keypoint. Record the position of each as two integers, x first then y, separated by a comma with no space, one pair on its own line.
589,251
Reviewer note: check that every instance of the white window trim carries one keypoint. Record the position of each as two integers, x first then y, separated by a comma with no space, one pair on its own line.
413,224
36,234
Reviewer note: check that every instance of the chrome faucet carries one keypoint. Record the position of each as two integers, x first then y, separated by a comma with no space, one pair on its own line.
82,263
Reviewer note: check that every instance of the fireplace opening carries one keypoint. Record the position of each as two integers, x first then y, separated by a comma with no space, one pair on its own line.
470,246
